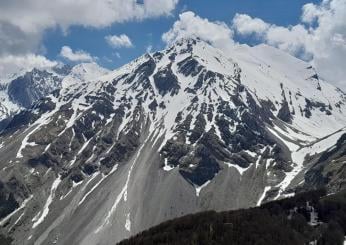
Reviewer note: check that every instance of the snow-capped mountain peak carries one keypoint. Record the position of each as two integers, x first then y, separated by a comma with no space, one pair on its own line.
84,72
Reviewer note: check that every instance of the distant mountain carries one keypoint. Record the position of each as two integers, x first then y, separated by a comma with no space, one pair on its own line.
187,129
21,90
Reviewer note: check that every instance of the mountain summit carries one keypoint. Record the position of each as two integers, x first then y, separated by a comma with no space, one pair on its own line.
178,131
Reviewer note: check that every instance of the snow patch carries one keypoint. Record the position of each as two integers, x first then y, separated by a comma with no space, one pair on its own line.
199,188
97,184
237,167
24,203
167,167
260,200
252,154
50,198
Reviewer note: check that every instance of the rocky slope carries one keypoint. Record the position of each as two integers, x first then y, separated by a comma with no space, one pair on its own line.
175,132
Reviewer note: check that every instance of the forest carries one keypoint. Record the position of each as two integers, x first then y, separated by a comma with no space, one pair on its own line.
308,218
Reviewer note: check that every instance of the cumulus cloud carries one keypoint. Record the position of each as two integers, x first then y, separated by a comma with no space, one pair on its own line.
13,64
119,41
246,25
291,39
319,38
75,56
191,25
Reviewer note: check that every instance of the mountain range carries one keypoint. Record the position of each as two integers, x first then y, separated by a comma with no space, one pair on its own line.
92,156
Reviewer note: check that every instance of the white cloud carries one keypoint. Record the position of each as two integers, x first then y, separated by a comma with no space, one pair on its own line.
22,23
310,12
291,39
246,25
320,38
12,64
75,56
119,41
191,25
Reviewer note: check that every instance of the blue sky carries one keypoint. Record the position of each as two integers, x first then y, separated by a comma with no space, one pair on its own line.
148,32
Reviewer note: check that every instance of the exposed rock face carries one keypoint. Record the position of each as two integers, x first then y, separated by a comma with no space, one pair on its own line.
165,81
183,130
284,112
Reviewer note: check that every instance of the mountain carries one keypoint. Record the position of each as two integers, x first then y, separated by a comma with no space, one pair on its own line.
175,132
19,91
